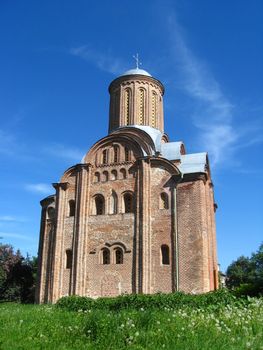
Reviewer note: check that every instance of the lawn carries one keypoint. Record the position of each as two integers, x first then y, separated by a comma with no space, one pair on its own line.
232,326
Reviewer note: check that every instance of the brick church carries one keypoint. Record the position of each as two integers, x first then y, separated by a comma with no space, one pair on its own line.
137,215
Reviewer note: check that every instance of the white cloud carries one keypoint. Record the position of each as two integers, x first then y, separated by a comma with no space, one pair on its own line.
213,112
15,235
104,61
10,218
65,152
39,188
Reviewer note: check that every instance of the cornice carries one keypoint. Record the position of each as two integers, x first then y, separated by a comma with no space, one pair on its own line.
62,185
135,78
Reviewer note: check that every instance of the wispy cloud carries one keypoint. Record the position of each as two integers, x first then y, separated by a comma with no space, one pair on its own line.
39,188
104,61
62,151
213,112
15,235
7,143
10,218
12,146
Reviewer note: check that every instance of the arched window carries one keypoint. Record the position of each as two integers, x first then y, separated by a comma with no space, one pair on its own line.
71,205
51,213
114,175
154,109
105,176
123,173
118,256
68,259
99,205
164,201
128,202
141,106
113,203
127,154
165,255
105,256
97,177
105,156
115,154
127,106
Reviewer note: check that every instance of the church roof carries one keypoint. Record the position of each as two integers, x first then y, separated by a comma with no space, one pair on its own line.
155,134
189,163
193,163
171,150
135,71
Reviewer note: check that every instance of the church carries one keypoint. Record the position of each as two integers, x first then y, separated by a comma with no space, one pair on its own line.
136,215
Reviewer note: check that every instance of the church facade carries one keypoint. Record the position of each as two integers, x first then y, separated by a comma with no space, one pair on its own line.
137,215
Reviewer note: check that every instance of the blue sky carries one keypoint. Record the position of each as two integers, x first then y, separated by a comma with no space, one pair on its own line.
57,60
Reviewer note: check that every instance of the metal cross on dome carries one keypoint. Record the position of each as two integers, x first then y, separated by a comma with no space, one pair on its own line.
136,57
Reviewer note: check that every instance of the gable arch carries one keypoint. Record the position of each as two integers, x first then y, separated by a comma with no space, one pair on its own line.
165,164
112,245
142,142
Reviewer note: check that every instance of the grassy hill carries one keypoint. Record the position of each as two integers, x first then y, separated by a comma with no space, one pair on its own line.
212,321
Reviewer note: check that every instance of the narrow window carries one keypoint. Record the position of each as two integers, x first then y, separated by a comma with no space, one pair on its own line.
99,205
105,256
128,203
141,106
51,213
116,112
127,154
114,175
165,255
116,154
97,177
113,203
123,173
105,176
164,201
154,109
71,207
127,107
68,259
119,256
105,157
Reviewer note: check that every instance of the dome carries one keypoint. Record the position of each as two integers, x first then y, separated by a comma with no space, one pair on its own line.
136,71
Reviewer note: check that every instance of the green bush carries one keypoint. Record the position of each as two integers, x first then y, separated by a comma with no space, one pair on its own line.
75,303
248,289
152,301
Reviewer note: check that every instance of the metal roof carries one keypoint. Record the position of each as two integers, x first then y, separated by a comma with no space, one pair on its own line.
189,163
136,71
171,150
193,163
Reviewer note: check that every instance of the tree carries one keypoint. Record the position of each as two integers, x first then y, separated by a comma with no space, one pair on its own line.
239,272
257,263
17,275
246,274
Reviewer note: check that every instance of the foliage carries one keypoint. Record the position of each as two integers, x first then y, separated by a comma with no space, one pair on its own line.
17,275
239,272
232,325
152,301
245,275
75,303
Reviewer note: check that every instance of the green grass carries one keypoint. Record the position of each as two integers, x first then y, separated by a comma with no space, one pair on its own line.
233,326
